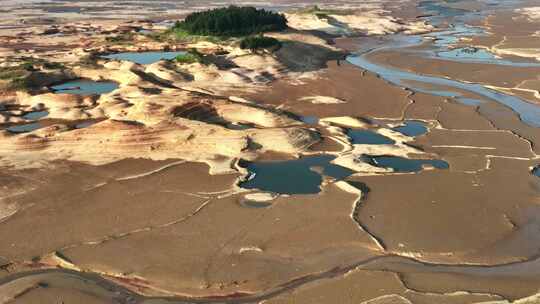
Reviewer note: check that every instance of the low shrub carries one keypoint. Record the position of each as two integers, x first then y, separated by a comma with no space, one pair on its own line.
192,56
259,42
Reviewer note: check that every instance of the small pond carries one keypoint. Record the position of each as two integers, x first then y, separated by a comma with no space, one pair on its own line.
143,57
35,115
25,128
85,87
310,120
366,137
412,128
298,176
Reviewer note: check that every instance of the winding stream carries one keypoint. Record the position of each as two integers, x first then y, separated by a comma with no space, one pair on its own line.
529,113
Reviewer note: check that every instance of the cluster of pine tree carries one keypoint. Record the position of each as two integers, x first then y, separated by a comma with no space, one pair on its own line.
232,21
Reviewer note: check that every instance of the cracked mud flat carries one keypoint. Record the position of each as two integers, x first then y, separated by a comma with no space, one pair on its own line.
136,195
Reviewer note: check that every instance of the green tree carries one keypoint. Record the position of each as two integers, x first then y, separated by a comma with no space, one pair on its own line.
232,21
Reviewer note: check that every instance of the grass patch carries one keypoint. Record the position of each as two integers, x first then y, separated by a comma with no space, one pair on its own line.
20,84
192,56
259,42
121,38
177,33
323,13
18,77
8,73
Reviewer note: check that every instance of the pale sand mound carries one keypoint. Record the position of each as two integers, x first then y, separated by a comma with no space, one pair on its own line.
311,22
373,22
110,141
62,106
520,52
302,37
346,121
322,99
163,110
532,13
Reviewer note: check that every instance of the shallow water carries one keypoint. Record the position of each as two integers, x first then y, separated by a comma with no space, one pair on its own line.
400,164
470,101
25,128
444,41
529,113
298,176
435,7
412,128
35,115
366,137
85,87
310,120
467,53
143,57
536,171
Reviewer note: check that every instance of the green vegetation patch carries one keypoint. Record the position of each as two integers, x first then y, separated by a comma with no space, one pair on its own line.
323,13
231,21
179,34
15,77
259,42
121,38
192,56
19,77
8,73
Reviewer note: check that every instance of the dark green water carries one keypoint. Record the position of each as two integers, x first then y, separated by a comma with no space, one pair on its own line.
298,176
85,87
412,128
144,57
35,115
24,128
367,137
